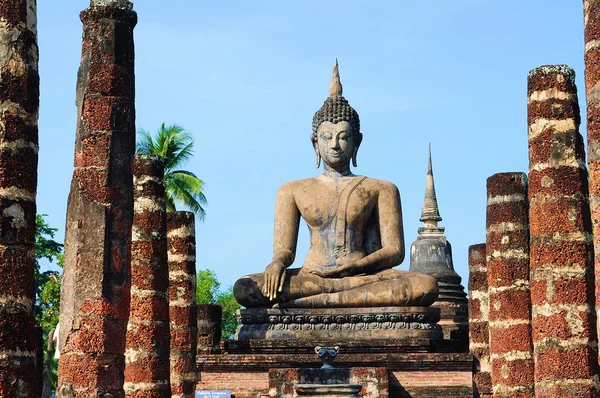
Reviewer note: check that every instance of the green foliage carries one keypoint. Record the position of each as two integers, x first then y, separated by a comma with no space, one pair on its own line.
175,146
47,283
229,322
208,291
45,248
47,287
49,303
207,287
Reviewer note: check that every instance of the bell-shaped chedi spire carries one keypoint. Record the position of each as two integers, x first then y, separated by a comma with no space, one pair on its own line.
335,87
431,213
431,254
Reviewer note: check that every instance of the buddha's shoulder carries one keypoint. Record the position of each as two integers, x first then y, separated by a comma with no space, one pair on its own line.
314,182
379,185
293,186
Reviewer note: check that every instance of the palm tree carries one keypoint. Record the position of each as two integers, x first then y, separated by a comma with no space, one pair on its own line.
175,146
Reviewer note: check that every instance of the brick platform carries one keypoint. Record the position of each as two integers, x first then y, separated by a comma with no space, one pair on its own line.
418,368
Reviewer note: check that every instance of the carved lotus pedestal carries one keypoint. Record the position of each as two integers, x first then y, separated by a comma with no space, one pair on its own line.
339,323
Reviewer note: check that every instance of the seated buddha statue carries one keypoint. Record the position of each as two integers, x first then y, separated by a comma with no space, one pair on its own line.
355,224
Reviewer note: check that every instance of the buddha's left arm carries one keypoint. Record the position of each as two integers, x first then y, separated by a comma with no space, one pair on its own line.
389,213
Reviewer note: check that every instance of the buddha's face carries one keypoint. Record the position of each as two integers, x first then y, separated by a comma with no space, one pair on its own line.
336,143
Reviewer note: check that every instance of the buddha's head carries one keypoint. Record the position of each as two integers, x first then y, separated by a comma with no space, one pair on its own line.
336,134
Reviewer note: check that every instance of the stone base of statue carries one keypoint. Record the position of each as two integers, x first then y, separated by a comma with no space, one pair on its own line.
392,352
331,391
332,382
339,323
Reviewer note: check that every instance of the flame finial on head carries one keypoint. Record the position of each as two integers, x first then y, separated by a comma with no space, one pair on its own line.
335,108
335,87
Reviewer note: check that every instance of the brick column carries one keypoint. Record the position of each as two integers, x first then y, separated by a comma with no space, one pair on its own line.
19,103
561,252
96,280
147,344
507,254
209,328
592,90
478,322
181,242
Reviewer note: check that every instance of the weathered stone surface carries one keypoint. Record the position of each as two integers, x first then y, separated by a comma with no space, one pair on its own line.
339,323
19,104
332,390
147,360
356,231
95,294
181,254
369,382
561,261
209,327
478,321
509,321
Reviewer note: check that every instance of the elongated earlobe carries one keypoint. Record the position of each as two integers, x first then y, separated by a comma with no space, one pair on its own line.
313,139
359,138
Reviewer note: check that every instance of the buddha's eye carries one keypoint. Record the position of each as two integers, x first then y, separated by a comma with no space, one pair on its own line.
343,137
327,136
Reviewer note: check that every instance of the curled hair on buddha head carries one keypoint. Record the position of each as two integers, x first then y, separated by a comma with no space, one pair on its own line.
336,109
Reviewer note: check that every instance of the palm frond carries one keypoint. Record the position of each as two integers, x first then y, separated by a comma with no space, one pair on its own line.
169,201
187,189
193,184
183,155
145,143
175,146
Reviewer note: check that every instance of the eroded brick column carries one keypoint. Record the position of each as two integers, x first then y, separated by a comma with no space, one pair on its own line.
209,327
592,90
561,252
478,322
181,243
507,254
19,103
96,280
147,345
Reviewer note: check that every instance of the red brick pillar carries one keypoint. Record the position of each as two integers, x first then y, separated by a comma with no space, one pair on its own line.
181,242
507,254
19,100
147,345
209,327
96,280
478,322
561,252
592,90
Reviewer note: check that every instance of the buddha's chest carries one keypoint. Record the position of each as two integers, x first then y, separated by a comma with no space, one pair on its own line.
325,205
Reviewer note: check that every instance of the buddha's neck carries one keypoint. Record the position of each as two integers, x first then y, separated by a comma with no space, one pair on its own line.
334,174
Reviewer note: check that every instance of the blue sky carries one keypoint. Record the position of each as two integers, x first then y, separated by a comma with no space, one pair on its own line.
246,78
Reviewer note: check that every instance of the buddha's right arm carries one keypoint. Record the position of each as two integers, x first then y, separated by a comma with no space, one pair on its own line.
287,221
